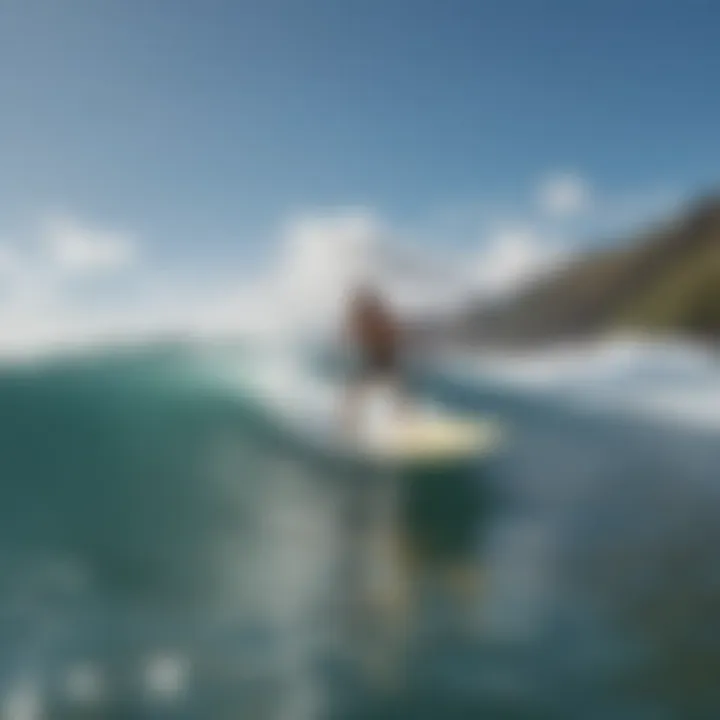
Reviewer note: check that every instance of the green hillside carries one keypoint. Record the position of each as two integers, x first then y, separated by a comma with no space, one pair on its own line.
667,280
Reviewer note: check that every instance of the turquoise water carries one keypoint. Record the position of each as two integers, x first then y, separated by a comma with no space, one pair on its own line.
164,553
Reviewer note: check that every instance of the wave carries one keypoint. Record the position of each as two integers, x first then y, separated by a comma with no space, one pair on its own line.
667,379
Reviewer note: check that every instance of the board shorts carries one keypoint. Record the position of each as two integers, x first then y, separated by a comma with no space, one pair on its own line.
377,366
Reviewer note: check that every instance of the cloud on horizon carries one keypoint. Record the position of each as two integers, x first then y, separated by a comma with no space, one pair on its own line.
563,195
76,248
48,287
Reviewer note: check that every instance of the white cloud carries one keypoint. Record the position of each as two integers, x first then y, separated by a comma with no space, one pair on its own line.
25,281
513,257
563,195
38,280
77,248
9,262
322,257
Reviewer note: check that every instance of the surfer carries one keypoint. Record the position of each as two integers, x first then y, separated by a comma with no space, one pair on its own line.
375,336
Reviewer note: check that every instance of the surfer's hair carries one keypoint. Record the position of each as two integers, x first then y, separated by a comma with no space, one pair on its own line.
368,293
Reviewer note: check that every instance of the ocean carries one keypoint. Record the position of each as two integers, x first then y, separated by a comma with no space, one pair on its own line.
165,554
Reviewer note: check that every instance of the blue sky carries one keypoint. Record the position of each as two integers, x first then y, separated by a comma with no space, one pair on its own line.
201,126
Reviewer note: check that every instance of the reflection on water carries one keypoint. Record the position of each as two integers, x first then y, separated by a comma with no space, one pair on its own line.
161,557
414,550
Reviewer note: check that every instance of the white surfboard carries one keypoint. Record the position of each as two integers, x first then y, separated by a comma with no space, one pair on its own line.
310,407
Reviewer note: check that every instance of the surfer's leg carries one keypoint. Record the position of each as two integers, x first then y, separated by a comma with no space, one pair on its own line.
384,370
353,397
398,386
350,405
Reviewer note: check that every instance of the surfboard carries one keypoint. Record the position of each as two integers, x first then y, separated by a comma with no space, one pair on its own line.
308,406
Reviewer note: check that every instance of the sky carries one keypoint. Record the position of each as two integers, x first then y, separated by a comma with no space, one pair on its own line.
152,151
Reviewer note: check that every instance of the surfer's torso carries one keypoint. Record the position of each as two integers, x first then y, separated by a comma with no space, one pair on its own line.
375,336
